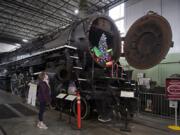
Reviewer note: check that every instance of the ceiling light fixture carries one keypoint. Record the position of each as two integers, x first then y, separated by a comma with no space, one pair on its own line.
25,40
18,45
76,11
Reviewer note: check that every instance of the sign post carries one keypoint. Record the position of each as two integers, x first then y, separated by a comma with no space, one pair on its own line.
173,94
174,104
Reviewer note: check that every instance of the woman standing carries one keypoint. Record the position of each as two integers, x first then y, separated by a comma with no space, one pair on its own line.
44,98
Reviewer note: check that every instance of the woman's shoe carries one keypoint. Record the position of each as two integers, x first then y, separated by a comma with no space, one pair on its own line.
44,126
41,125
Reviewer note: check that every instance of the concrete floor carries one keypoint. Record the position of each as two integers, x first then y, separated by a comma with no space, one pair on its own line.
24,125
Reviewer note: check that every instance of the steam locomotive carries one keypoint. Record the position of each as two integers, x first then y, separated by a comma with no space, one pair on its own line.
87,53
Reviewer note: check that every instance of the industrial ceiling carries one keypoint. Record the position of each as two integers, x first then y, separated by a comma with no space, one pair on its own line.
29,19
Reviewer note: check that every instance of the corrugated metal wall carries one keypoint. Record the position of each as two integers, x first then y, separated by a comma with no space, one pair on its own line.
169,66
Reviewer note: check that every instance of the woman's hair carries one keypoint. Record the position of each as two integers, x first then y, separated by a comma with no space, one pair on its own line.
42,75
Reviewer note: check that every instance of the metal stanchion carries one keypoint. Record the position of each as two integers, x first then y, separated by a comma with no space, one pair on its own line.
126,128
61,97
61,109
174,104
70,113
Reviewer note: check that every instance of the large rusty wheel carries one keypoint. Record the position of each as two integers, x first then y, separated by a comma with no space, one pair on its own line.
147,42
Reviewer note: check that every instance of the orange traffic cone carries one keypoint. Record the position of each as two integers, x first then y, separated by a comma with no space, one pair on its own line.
78,111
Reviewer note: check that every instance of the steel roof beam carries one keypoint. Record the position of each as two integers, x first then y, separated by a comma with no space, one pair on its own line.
10,19
69,4
30,13
31,8
1,22
59,8
26,19
56,9
15,28
15,34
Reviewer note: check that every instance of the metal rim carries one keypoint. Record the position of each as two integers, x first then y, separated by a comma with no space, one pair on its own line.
148,41
116,37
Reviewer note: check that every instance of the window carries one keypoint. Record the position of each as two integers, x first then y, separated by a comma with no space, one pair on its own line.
117,14
120,25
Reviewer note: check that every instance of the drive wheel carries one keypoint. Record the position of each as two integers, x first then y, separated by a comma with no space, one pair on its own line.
85,108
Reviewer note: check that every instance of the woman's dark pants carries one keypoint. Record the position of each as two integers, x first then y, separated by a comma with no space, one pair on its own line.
41,110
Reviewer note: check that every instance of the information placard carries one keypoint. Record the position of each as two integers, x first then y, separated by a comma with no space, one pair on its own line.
71,97
61,95
127,94
173,104
173,88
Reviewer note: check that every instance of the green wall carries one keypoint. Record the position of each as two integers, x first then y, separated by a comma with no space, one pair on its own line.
167,67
